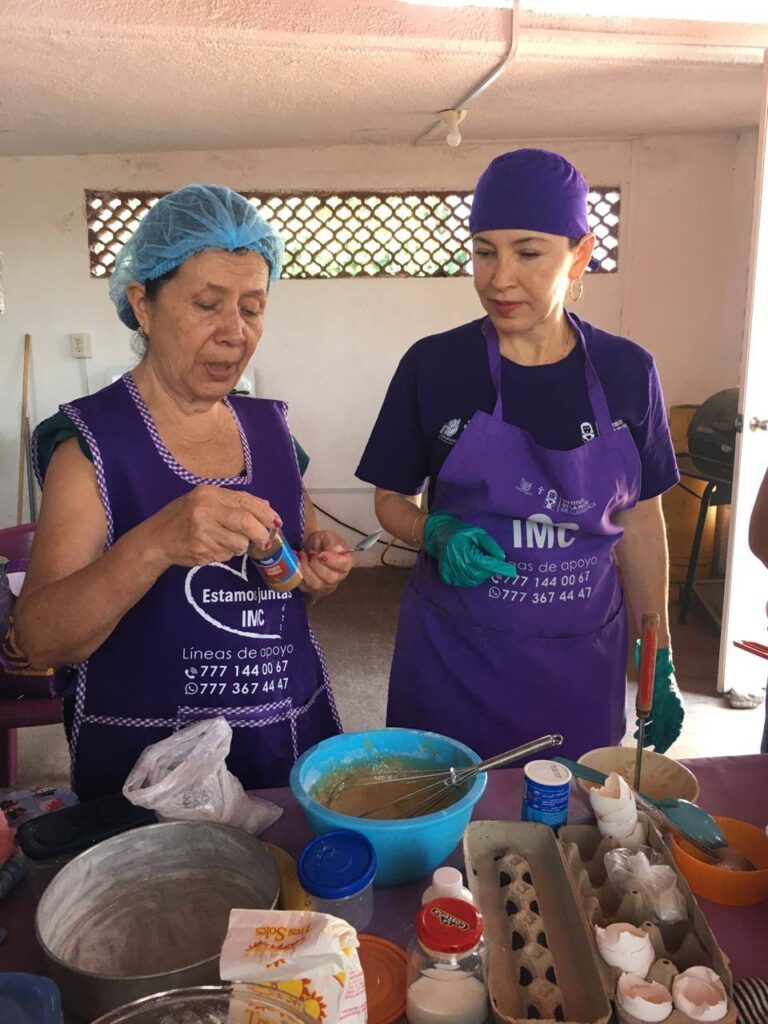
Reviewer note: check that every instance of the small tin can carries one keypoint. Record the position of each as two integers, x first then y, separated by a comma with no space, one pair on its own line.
545,797
278,564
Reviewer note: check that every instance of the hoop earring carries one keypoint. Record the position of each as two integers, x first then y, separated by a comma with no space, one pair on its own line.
140,342
580,292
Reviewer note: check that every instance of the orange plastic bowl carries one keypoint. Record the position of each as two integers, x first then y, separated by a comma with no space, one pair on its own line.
733,888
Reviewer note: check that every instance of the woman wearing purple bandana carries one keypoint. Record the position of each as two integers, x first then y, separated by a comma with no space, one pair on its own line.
543,445
155,487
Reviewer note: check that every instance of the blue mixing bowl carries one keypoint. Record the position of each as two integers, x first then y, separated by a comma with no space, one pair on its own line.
408,849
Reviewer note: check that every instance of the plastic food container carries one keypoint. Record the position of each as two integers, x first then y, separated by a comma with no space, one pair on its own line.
385,969
732,888
209,1004
51,841
28,999
337,870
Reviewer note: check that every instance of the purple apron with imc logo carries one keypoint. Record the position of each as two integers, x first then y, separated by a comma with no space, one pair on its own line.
509,660
207,641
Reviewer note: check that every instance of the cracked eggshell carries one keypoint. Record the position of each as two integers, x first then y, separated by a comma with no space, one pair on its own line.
612,795
632,841
625,947
616,830
646,1000
699,993
624,818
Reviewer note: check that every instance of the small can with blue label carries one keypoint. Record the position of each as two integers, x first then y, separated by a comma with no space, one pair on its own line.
545,797
277,564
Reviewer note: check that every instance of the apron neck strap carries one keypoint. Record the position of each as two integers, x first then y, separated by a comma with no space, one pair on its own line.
595,391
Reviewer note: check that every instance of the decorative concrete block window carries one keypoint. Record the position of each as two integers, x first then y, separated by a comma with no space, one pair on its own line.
352,234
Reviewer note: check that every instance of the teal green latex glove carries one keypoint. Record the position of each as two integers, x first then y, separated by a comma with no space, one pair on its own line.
467,555
665,722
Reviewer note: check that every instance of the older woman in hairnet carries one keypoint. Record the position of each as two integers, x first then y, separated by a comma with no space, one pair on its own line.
154,489
545,447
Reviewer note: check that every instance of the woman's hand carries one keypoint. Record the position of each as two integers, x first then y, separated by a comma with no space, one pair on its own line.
211,524
325,561
467,555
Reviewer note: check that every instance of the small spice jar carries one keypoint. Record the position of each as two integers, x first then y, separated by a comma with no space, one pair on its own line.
277,564
446,965
337,870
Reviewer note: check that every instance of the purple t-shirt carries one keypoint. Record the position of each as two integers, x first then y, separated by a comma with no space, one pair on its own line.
443,380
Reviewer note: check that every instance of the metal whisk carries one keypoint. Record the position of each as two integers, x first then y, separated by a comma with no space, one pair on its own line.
432,785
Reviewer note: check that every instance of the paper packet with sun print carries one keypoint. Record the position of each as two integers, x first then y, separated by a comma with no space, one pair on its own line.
309,960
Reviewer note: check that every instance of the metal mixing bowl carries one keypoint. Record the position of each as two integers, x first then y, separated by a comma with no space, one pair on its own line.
147,911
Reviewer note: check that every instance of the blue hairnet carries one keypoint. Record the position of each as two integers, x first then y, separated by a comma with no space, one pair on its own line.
192,219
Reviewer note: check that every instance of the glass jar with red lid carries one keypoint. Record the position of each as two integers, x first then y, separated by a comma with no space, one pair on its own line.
446,965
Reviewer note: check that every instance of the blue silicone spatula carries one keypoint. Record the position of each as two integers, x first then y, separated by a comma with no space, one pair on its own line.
684,817
686,820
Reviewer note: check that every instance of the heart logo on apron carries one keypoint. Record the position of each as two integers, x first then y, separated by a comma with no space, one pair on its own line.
252,610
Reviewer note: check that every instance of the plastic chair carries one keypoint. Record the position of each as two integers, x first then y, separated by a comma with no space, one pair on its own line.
16,541
24,700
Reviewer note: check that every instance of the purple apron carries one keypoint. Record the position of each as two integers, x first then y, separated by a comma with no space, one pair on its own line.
509,660
212,640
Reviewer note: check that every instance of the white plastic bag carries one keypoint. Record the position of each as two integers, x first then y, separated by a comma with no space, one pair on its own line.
645,872
184,777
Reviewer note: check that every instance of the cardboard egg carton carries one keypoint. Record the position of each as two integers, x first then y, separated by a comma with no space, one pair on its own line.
531,956
542,961
677,946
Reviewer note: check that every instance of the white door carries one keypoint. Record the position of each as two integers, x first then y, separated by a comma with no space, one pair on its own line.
746,590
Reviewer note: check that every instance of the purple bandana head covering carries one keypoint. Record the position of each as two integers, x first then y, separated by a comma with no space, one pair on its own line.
531,189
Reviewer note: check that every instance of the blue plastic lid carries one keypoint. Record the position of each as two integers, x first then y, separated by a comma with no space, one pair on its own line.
337,864
28,999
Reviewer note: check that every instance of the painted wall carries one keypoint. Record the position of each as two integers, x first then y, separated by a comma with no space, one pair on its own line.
330,347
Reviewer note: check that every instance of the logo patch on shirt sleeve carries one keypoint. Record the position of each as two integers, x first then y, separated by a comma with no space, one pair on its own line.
449,431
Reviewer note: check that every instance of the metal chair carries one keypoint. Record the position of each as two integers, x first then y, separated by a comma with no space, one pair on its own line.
711,451
717,492
24,700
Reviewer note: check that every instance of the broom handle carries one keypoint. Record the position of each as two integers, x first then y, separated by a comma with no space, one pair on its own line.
23,431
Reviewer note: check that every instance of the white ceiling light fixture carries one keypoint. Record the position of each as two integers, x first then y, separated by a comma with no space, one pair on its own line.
453,118
462,105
